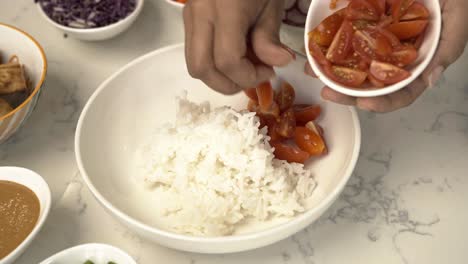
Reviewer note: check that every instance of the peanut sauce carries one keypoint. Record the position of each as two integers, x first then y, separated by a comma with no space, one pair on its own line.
19,211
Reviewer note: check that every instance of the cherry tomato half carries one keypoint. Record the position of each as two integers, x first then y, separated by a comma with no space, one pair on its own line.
408,29
415,11
285,96
323,34
346,76
306,113
399,7
286,124
289,153
403,56
309,141
361,9
341,45
251,93
317,53
387,73
265,95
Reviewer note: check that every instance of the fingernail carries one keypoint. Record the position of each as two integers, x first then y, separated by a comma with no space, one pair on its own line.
435,76
289,50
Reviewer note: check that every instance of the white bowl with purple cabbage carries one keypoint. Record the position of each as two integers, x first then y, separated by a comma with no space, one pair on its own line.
91,20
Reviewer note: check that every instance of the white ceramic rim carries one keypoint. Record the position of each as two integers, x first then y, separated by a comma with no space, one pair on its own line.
89,245
237,238
376,91
134,13
174,3
40,222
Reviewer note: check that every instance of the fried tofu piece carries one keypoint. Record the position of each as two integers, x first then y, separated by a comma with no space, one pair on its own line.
12,77
5,107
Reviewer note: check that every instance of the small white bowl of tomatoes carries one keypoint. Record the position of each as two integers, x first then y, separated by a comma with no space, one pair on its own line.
368,48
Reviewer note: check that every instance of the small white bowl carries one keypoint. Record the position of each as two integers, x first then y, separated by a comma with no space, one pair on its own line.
119,117
36,184
319,10
100,33
98,253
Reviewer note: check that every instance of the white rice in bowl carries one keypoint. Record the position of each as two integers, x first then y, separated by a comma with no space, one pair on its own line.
214,169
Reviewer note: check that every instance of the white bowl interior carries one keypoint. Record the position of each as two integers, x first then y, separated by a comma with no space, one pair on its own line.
36,184
127,107
14,42
98,253
319,10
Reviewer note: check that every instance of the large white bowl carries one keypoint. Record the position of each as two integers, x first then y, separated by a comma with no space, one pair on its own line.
124,111
100,33
36,184
319,10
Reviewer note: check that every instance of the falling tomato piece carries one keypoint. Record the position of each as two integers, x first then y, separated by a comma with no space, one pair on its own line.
251,93
265,95
306,113
287,124
285,96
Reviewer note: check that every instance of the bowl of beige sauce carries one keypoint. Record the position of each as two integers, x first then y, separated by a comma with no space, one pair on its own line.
24,205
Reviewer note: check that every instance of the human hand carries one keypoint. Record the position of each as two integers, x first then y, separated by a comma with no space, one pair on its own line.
232,45
454,37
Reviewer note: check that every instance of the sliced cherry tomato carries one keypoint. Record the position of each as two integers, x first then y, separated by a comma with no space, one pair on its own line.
379,6
289,153
318,130
272,112
286,124
383,47
415,11
341,45
252,106
361,9
306,113
323,34
364,45
285,96
251,93
317,53
362,24
375,82
394,41
408,29
387,73
272,130
346,76
403,56
399,7
385,21
265,95
309,141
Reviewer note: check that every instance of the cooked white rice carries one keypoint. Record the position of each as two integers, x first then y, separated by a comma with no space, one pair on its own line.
214,170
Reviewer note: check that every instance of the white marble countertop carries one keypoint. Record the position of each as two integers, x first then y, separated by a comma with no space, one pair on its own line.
406,202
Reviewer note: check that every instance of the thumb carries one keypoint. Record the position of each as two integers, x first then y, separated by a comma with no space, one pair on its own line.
265,36
452,42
